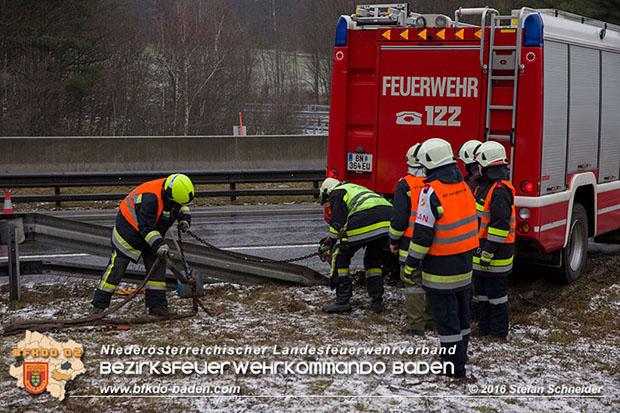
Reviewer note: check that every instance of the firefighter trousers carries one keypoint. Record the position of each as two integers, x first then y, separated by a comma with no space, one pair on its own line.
372,264
492,293
417,309
155,295
452,321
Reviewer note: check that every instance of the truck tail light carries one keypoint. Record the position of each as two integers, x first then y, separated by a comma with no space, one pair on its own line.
527,187
523,227
332,173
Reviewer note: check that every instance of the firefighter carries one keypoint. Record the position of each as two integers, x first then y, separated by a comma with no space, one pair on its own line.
144,217
466,154
359,218
493,260
401,229
445,237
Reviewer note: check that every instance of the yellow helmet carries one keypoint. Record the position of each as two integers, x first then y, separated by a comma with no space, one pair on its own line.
179,188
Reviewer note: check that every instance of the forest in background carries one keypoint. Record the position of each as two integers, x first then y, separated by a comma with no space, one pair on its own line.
181,67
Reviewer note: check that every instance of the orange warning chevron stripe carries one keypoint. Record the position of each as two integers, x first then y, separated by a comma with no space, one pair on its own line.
386,34
422,34
460,34
478,33
441,34
405,34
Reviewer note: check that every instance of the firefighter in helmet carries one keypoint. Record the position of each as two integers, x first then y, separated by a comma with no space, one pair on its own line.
401,228
493,260
359,218
144,217
444,239
466,154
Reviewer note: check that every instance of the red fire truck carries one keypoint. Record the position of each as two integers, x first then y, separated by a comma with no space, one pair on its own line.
544,83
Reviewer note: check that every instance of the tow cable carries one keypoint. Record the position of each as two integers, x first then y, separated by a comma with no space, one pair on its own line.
188,278
122,323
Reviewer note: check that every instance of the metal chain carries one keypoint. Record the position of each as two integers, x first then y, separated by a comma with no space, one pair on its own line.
246,258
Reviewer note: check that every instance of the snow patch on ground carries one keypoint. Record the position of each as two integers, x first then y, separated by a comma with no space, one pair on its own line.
502,375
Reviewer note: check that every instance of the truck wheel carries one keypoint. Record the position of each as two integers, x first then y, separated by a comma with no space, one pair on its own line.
575,254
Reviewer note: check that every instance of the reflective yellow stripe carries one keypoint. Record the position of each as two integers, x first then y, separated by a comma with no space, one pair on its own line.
333,231
152,234
395,233
479,207
368,228
138,199
124,244
107,273
499,263
446,279
418,248
373,271
184,209
108,285
440,210
331,270
498,232
158,283
403,253
343,270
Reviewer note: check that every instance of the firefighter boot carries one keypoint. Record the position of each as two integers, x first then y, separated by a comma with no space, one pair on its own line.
101,302
375,291
344,291
162,311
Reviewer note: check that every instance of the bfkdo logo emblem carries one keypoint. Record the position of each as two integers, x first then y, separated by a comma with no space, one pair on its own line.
36,377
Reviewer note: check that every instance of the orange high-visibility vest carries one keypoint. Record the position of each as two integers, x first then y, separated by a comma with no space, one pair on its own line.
456,231
416,183
128,206
485,217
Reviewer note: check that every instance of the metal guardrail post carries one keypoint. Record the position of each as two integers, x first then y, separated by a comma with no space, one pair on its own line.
13,252
233,186
57,193
315,185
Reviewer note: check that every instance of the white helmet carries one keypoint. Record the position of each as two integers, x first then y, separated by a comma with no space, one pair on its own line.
434,153
411,159
467,151
327,187
491,153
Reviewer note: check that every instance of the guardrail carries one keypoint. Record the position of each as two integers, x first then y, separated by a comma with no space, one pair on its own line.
94,179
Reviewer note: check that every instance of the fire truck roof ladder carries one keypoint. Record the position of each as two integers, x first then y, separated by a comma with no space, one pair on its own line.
512,61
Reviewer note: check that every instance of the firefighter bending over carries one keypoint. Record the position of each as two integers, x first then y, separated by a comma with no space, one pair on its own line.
359,218
443,243
493,262
144,217
401,228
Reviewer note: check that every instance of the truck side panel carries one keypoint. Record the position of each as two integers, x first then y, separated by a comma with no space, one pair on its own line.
583,109
609,158
555,121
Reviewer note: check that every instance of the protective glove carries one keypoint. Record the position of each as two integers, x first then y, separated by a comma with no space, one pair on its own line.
184,225
409,273
485,260
163,251
324,252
